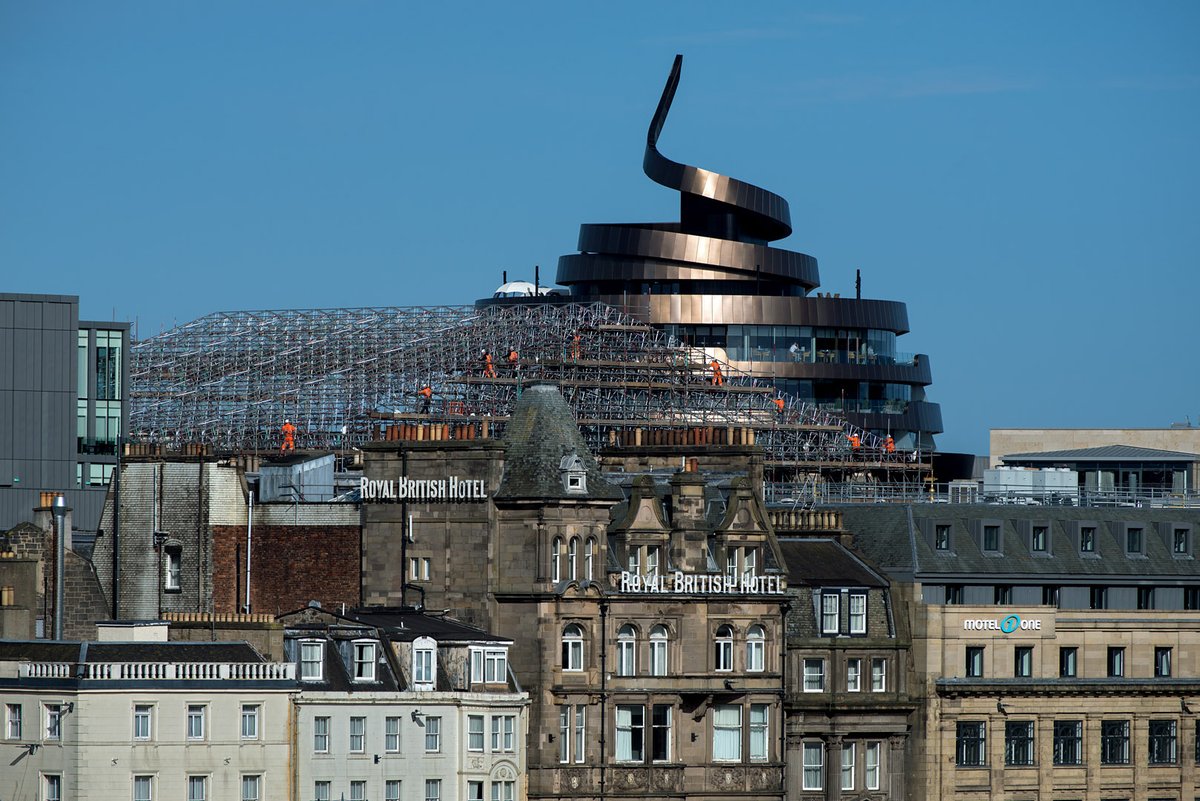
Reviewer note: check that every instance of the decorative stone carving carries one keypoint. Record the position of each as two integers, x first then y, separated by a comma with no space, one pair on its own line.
766,779
730,778
574,780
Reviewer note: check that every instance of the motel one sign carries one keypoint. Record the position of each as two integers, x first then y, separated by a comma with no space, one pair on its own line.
704,584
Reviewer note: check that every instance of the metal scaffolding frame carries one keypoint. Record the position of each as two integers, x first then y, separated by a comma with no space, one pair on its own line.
348,376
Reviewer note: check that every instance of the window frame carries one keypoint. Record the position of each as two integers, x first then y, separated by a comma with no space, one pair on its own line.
727,733
1163,657
970,743
1023,661
831,613
1068,742
723,649
357,731
660,659
627,641
881,663
360,672
308,664
629,721
572,648
858,620
871,766
143,780
1020,749
143,722
1162,747
52,728
661,732
255,781
756,649
812,768
813,675
853,674
1115,663
433,734
974,661
848,758
14,721
1114,734
250,712
1068,662
475,733
321,725
391,734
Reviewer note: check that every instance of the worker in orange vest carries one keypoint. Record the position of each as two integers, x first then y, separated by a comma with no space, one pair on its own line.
890,444
489,370
575,346
779,403
717,379
513,358
289,437
854,441
426,394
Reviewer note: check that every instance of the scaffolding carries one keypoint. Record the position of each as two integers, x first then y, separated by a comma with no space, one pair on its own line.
228,381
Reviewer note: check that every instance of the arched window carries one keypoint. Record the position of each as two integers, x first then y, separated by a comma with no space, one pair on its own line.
572,648
756,650
589,558
723,652
572,555
658,651
627,651
556,560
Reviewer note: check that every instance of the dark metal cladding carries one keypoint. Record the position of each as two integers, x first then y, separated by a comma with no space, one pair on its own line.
713,280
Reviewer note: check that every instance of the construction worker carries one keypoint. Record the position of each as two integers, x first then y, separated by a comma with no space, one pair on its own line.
489,370
513,358
717,379
779,404
890,444
426,394
855,441
575,346
289,437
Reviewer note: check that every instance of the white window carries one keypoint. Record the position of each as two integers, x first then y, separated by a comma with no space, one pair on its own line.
311,661
829,613
503,731
195,721
634,560
723,649
422,666
414,568
727,733
391,735
321,735
814,675
814,766
504,791
321,791
626,651
872,766
433,790
391,790
53,721
172,569
250,721
652,560
12,715
658,651
364,661
426,565
589,559
474,791
143,788
731,565
54,788
878,675
197,788
358,791
433,735
847,766
475,732
571,732
858,614
572,556
572,648
749,564
142,721
631,732
496,662
358,735
756,649
759,739
660,733
251,788
556,554
853,675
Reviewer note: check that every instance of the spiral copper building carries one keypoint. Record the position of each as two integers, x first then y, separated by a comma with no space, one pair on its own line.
713,281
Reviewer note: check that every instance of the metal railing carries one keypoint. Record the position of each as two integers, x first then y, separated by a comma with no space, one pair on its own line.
819,493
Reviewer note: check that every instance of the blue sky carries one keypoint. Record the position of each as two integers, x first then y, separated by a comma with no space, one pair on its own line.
1023,175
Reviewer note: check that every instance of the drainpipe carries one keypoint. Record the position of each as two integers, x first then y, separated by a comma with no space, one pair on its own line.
249,542
116,529
60,525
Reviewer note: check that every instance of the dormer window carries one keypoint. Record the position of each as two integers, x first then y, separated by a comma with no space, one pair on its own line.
312,659
364,661
424,657
574,475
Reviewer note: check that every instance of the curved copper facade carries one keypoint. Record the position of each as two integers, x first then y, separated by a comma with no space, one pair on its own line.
713,279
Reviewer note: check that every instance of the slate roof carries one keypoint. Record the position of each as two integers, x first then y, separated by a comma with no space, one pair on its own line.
50,651
1105,453
539,434
825,563
891,536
